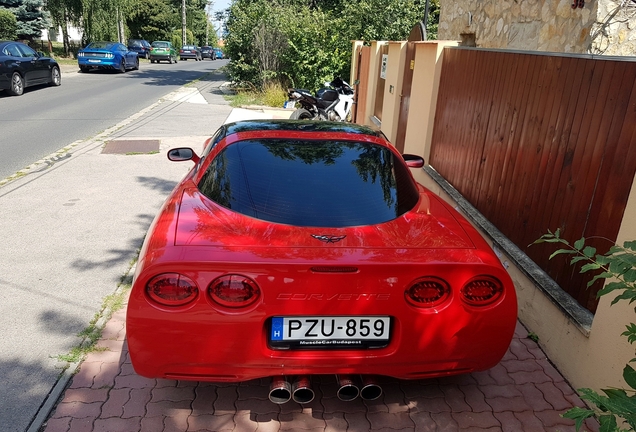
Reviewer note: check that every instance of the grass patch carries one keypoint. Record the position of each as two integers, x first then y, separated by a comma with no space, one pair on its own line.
272,95
141,153
93,332
66,61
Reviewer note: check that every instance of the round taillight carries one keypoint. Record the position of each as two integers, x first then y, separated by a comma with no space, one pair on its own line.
427,292
172,289
234,291
482,291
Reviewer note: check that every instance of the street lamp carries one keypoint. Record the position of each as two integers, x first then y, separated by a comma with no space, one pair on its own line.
418,32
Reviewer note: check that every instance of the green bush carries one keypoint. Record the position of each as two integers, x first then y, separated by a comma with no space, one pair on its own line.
274,95
8,25
177,38
303,44
618,267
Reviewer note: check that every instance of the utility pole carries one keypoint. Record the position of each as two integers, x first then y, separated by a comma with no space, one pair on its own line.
183,21
207,21
425,20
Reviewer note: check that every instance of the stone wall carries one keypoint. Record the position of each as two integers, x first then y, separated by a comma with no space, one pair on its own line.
614,33
537,25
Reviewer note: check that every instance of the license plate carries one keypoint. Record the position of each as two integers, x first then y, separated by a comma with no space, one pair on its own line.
324,332
94,61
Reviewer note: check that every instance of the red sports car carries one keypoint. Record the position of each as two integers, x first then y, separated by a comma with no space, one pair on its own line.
298,248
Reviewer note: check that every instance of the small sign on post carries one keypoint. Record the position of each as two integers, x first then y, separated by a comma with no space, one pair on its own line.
385,60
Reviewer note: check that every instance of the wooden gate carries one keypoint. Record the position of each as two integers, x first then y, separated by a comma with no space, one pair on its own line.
405,97
537,142
379,91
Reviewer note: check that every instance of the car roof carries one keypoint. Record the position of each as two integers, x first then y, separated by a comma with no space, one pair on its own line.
102,44
300,126
3,43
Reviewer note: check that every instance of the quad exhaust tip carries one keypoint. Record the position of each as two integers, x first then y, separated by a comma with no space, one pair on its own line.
280,390
370,389
302,392
348,390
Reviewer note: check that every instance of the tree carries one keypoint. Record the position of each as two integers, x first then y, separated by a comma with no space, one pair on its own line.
30,16
390,20
63,13
196,19
8,25
153,20
103,19
306,42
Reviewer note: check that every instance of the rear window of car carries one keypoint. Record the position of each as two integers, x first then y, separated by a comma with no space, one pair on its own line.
310,183
160,44
101,45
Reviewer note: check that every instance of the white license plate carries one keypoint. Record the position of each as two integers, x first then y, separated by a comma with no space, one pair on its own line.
330,331
94,61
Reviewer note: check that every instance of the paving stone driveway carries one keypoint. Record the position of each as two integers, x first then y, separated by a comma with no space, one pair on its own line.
523,393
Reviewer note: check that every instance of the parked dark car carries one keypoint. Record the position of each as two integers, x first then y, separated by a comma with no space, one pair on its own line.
107,55
141,47
21,66
190,52
208,52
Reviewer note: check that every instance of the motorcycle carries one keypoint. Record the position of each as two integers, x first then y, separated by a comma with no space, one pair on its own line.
332,102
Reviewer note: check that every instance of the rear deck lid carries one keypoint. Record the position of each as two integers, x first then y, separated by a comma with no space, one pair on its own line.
429,225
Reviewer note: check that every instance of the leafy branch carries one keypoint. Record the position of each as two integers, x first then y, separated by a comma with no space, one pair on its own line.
618,265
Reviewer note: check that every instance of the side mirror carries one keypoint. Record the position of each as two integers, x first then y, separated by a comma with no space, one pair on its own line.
413,161
181,154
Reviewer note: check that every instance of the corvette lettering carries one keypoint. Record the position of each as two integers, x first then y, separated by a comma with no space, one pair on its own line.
318,296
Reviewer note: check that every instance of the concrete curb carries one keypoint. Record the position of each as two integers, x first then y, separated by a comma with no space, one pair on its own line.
71,369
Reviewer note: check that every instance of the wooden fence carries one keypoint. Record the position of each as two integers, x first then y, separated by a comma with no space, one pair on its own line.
537,142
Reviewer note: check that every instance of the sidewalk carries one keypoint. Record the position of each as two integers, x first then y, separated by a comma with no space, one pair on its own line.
523,393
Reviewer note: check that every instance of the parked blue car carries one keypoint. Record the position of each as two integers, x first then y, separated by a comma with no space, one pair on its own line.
107,55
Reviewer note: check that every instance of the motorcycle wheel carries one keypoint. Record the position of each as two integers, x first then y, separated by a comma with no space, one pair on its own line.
301,114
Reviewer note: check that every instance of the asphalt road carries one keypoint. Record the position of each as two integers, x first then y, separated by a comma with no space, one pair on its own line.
69,232
45,119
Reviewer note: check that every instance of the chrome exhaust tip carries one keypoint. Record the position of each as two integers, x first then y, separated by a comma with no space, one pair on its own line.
280,390
348,391
302,392
370,390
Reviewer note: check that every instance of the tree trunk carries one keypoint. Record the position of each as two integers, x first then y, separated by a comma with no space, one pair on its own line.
65,39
